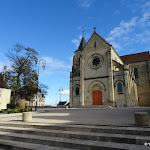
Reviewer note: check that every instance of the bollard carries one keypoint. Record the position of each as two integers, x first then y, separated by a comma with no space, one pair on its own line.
66,107
141,119
27,116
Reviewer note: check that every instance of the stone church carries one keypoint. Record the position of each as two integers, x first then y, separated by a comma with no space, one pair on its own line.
100,77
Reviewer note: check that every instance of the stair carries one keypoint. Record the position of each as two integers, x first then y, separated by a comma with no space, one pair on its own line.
97,106
28,136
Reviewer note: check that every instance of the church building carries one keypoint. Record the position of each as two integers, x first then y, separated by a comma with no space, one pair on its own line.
100,77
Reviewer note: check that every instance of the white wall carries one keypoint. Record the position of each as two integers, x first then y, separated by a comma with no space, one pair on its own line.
4,98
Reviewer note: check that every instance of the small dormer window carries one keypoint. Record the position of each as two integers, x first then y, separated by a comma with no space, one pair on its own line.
94,43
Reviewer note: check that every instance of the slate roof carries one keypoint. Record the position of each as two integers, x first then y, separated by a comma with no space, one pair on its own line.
3,84
82,44
138,57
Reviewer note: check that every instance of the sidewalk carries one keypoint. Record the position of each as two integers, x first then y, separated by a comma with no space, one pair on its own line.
105,116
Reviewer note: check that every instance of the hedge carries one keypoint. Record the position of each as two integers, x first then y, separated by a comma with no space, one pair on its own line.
18,110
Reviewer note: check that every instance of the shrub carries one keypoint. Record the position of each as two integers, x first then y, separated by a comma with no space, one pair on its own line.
29,108
12,111
26,109
15,110
11,105
8,110
3,110
18,110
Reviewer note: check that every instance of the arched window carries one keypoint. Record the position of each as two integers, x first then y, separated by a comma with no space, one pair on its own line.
136,73
77,91
119,88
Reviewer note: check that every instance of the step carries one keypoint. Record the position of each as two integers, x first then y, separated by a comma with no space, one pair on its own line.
119,138
15,145
97,106
69,143
145,131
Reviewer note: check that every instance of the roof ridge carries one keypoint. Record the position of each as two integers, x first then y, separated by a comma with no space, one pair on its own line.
137,57
99,37
102,38
135,53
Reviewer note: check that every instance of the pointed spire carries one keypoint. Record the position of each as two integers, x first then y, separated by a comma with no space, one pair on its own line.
82,44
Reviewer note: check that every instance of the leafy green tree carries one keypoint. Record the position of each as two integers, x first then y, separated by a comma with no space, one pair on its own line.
22,76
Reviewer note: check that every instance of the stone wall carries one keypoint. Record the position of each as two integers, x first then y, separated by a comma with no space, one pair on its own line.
98,76
103,76
143,82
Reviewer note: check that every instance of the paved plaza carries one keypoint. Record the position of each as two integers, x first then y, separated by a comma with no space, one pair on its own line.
104,116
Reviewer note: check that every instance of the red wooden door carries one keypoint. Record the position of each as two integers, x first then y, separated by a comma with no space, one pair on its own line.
97,98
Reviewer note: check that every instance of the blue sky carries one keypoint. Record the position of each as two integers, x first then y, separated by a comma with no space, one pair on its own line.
54,29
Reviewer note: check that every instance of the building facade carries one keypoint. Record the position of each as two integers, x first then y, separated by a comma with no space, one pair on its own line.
38,100
5,93
140,66
100,77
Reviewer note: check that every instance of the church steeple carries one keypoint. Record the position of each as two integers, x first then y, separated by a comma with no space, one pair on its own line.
82,44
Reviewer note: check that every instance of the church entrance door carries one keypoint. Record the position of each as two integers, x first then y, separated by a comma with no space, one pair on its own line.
97,98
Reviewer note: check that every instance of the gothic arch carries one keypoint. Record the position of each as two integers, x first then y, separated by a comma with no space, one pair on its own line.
118,82
99,83
76,90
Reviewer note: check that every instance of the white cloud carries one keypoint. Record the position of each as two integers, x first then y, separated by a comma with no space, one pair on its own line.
64,92
86,3
55,63
80,37
52,103
116,46
123,28
5,63
71,60
55,66
145,7
76,42
121,33
143,37
48,72
144,20
1,66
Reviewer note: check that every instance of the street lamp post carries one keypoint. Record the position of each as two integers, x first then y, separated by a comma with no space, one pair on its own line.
60,90
43,67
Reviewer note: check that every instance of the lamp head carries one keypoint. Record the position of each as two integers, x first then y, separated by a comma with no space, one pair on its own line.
43,67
